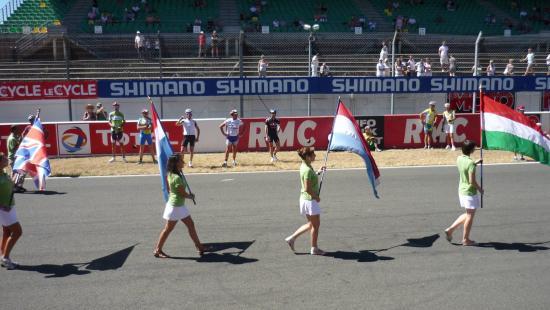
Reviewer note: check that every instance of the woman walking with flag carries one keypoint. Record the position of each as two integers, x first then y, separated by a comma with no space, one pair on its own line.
309,201
11,229
175,209
467,193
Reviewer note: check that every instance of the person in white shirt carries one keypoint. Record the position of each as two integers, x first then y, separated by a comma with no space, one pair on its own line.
324,70
191,133
449,119
444,56
262,67
231,129
427,67
530,58
411,66
452,65
420,69
387,68
476,69
384,52
380,68
548,64
315,65
490,70
138,43
398,67
509,70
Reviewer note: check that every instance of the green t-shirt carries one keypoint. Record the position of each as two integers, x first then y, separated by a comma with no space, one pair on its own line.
465,166
13,144
6,188
307,173
176,182
145,121
116,119
429,116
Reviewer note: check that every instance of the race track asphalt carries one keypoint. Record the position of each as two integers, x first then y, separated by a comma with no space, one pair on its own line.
87,244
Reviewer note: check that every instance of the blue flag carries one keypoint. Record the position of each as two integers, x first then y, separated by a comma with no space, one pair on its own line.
163,147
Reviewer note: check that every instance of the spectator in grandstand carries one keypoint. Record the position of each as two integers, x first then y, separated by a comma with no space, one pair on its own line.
449,119
468,189
309,201
380,68
231,129
145,126
451,6
370,138
175,209
129,15
420,68
387,68
100,113
520,109
324,70
548,64
372,25
89,113
428,118
215,38
399,23
411,66
262,67
135,8
476,69
384,52
11,229
411,21
443,53
530,58
397,67
191,133
139,43
116,121
272,128
202,44
491,69
509,70
276,24
452,65
156,48
427,67
315,65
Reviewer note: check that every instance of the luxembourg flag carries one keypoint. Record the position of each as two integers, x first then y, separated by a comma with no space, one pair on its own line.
163,147
505,129
31,156
346,136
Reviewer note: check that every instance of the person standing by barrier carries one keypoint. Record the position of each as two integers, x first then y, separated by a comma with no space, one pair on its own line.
530,58
370,138
443,53
309,201
428,118
215,42
191,133
452,65
272,128
509,70
449,118
315,65
202,44
262,67
117,121
101,114
89,114
468,189
144,125
232,134
175,209
11,229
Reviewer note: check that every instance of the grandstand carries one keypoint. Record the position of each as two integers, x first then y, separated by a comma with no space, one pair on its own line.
35,16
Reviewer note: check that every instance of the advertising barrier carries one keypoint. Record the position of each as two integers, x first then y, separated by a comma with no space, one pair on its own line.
462,102
38,90
50,131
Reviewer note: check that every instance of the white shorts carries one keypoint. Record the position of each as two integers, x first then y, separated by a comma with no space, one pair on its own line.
172,213
469,202
309,207
449,128
8,218
444,60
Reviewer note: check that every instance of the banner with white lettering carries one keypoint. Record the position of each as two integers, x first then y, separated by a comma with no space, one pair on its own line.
36,90
315,85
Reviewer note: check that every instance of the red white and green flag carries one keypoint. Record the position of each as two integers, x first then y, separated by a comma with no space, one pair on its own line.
502,128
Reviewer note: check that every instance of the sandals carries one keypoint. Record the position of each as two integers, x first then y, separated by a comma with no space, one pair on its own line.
469,243
160,254
448,235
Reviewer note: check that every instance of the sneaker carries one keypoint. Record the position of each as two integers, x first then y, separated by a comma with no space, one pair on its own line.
275,157
124,159
290,242
112,159
378,150
139,163
155,161
224,165
317,251
190,164
447,147
425,146
272,159
522,158
8,264
234,163
430,147
453,148
516,158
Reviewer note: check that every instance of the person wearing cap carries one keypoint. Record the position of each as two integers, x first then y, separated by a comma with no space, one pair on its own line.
231,129
191,133
370,138
89,114
521,109
272,128
449,119
202,44
145,125
428,118
101,114
138,43
117,121
262,67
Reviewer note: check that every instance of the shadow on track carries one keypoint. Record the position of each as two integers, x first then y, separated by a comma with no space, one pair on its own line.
110,262
361,256
45,193
230,257
515,246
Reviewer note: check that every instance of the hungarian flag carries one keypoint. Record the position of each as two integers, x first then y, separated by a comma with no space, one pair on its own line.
502,128
346,136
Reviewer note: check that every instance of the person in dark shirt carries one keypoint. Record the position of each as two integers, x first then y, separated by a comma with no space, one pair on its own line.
272,128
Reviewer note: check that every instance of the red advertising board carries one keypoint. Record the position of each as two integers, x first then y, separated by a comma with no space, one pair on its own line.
406,131
40,90
49,129
546,101
462,102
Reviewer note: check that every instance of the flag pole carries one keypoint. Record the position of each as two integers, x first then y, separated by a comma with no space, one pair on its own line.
328,147
181,172
482,125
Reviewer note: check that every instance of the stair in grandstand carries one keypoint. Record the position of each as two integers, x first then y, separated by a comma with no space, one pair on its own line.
374,15
29,44
229,16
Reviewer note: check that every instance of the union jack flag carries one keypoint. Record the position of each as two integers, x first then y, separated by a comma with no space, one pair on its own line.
31,156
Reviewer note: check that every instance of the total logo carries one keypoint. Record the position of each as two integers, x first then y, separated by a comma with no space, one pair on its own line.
74,139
